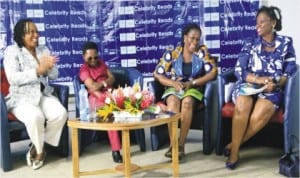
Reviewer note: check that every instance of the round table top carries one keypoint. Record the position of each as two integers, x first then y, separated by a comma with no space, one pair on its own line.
149,122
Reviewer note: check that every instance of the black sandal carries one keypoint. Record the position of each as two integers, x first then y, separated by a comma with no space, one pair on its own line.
168,154
181,153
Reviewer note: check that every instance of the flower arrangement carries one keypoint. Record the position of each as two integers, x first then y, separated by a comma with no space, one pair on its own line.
133,100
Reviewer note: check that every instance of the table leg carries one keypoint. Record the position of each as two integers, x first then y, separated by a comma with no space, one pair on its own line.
175,161
126,152
75,152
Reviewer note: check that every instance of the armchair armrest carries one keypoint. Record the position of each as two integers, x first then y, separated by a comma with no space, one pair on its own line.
4,136
208,92
228,76
291,110
156,88
3,119
209,117
223,79
62,93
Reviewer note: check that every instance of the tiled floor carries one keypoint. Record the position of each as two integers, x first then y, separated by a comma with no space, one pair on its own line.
254,162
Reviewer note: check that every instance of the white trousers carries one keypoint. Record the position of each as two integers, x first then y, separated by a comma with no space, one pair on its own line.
49,111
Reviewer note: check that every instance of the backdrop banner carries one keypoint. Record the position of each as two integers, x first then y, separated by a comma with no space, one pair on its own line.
131,33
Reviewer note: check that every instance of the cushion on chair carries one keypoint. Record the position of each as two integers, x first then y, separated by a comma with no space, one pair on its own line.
5,91
278,116
228,111
11,117
4,83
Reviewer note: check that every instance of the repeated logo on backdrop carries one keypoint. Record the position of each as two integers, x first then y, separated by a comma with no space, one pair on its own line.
130,33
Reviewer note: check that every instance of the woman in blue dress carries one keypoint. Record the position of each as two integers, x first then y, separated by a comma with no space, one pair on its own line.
266,61
184,72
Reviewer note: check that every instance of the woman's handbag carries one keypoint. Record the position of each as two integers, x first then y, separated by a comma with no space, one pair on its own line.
289,162
289,165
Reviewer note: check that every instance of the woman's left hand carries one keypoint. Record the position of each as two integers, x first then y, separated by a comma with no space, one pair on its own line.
187,85
271,86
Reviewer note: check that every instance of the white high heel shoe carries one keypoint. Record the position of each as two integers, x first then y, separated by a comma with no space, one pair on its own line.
29,159
36,164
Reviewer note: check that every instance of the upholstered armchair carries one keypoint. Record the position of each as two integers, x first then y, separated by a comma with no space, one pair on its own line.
123,76
202,119
12,130
277,130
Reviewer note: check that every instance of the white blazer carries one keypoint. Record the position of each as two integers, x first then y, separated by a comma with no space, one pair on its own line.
20,68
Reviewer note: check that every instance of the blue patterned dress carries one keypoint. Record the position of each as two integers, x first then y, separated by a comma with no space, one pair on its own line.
252,59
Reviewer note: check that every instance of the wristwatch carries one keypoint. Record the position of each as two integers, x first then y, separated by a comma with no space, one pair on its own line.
194,82
266,81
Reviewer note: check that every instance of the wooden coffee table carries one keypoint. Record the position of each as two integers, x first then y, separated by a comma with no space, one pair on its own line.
127,167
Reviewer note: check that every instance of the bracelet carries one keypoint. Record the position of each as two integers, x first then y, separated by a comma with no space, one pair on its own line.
104,84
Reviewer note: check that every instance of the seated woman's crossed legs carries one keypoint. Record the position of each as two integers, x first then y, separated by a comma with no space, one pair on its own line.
247,122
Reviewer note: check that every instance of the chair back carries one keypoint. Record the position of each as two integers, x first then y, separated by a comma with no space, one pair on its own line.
76,84
135,76
121,77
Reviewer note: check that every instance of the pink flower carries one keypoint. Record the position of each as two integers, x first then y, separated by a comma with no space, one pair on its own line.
120,102
130,99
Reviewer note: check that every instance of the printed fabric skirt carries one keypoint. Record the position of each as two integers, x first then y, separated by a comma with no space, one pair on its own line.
195,93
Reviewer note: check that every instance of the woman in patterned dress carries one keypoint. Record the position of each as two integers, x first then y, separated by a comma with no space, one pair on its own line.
184,73
268,61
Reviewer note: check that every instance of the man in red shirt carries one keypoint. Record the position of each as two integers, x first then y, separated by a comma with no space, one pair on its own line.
97,77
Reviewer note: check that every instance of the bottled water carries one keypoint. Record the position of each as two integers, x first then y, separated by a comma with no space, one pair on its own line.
84,109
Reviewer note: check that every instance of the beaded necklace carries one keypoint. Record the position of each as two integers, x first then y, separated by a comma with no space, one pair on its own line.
268,44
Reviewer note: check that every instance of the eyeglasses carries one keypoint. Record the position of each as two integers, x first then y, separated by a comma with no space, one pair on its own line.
90,58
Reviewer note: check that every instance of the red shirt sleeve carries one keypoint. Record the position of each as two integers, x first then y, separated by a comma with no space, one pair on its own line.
84,72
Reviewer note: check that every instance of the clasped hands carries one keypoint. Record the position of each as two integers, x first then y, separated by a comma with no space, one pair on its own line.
46,63
98,86
179,85
268,82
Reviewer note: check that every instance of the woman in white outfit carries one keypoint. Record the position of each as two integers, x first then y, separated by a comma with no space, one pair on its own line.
28,68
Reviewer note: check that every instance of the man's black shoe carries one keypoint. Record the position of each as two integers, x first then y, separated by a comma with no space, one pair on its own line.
117,157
